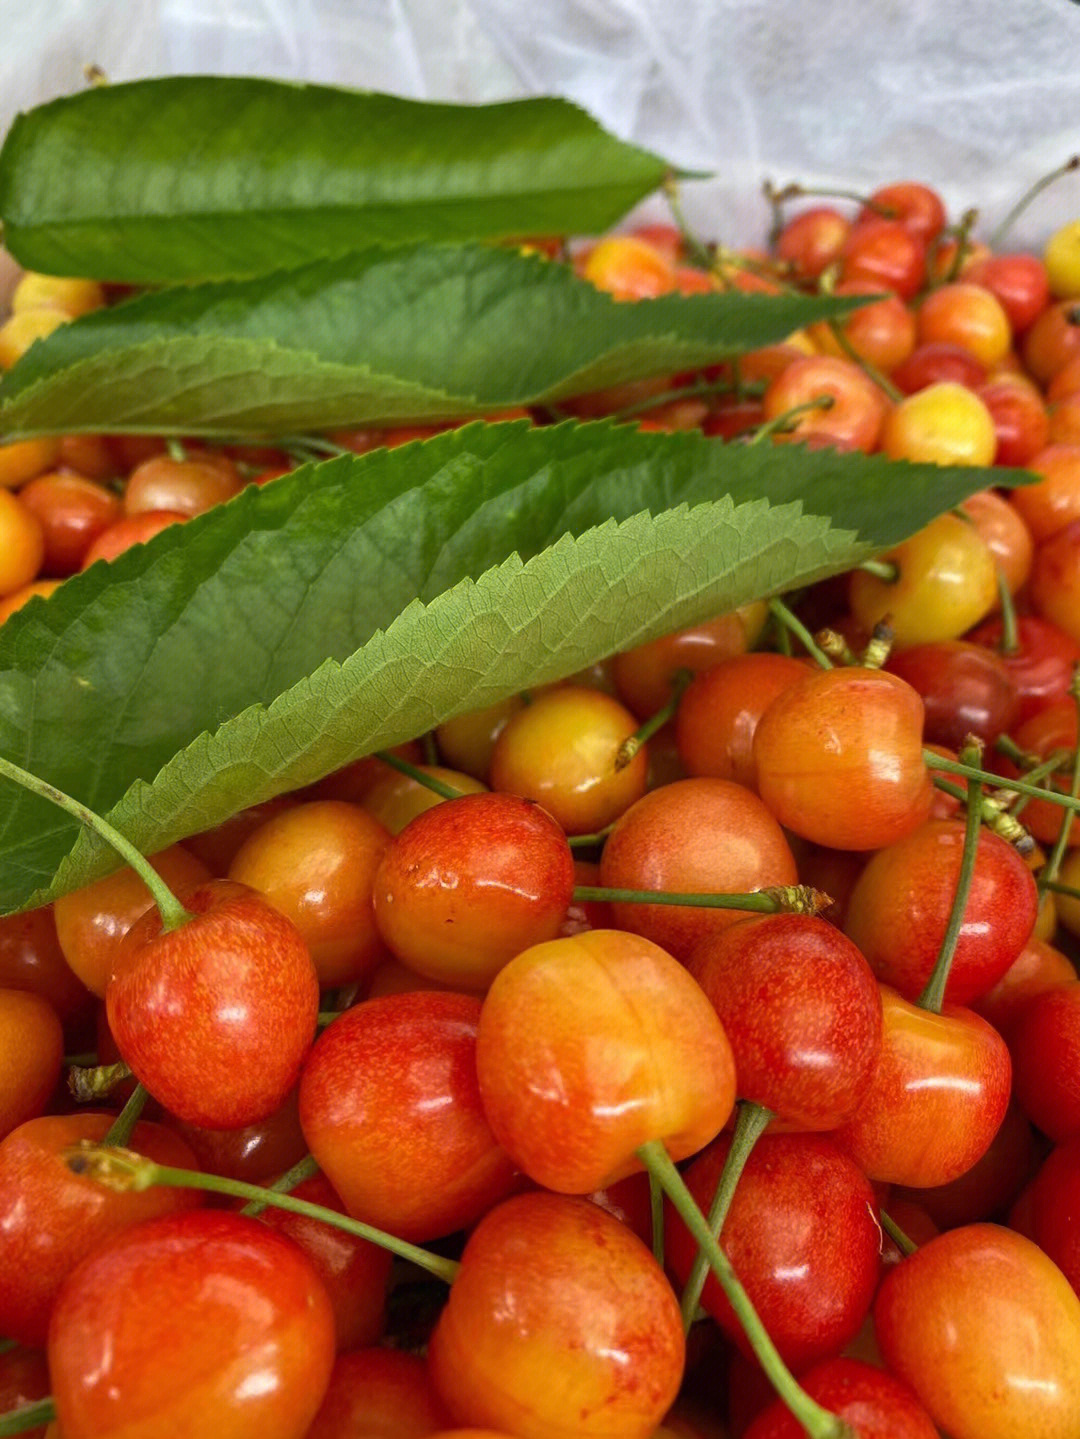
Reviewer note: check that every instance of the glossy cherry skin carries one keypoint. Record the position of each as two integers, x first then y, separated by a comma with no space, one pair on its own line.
395,799
217,1016
931,363
966,689
695,836
1052,728
1021,422
916,206
316,863
856,410
131,530
390,1107
720,710
1055,579
31,1050
987,1188
591,1046
51,1218
354,1272
886,252
803,1236
186,486
802,1011
812,240
643,675
1019,282
985,1329
92,922
900,907
470,883
31,959
258,1153
1037,968
379,1394
872,1401
1041,668
196,1323
936,1098
839,758
1054,1215
1044,1040
533,1300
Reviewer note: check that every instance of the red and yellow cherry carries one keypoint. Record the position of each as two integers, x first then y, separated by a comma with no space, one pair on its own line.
1037,968
1041,666
379,1394
1044,1039
900,907
812,240
1052,1209
966,689
395,799
52,1217
217,1016
1020,417
21,460
129,531
966,314
949,1321
470,883
466,742
1051,504
186,487
22,543
316,863
256,1154
195,1323
218,847
986,1189
1051,729
31,959
916,206
591,1046
628,268
643,676
935,362
91,922
1052,341
355,781
943,424
1019,282
561,751
1004,533
874,1403
947,583
801,1010
839,758
887,253
935,1100
533,1300
31,1051
391,1109
856,407
803,1237
73,512
720,711
882,333
694,836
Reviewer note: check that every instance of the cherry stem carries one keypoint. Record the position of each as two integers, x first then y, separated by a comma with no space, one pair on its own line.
177,450
698,390
779,424
776,899
836,647
961,232
429,781
791,622
933,996
994,815
29,1416
430,748
587,841
120,1130
87,1059
1049,871
817,1422
882,569
630,746
90,1086
305,1168
124,1171
879,646
695,250
656,1211
1056,887
1071,164
950,766
1009,644
753,1119
905,1245
173,914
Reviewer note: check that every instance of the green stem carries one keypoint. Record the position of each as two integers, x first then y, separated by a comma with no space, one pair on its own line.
317,444
882,569
751,1124
996,239
630,746
817,1422
777,899
950,766
429,781
792,623
905,1245
699,390
176,450
29,1416
1056,887
587,841
1050,869
933,996
779,424
90,1086
656,1208
994,815
1009,644
305,1168
125,1171
173,914
120,1131
695,250
430,748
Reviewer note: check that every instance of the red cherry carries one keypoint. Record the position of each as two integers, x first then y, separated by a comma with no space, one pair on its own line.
1041,668
966,689
379,1394
876,1405
1044,1040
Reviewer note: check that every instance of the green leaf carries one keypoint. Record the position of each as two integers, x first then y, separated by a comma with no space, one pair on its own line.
357,603
206,177
417,334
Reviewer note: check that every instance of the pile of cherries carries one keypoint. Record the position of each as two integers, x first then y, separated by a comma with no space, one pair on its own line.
767,921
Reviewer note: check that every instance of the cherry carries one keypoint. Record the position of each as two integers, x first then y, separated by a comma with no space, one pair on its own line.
561,751
131,530
466,741
588,1048
22,543
1044,1040
186,487
943,424
24,1379
801,1233
693,836
379,1394
1050,505
21,460
396,798
19,332
1050,730
628,268
948,1321
73,512
88,455
800,1007
72,296
812,240
882,333
1051,341
965,314
533,1298
887,253
1038,967
986,1189
31,959
935,1100
855,409
470,883
257,1153
914,205
966,689
218,847
1052,1199
1019,282
31,1050
390,1107
1004,533
872,1401
644,676
52,1217
839,758
195,1323
1020,418
316,863
935,362
720,710
217,1015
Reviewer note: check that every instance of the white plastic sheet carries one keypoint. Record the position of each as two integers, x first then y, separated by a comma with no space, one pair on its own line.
978,97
